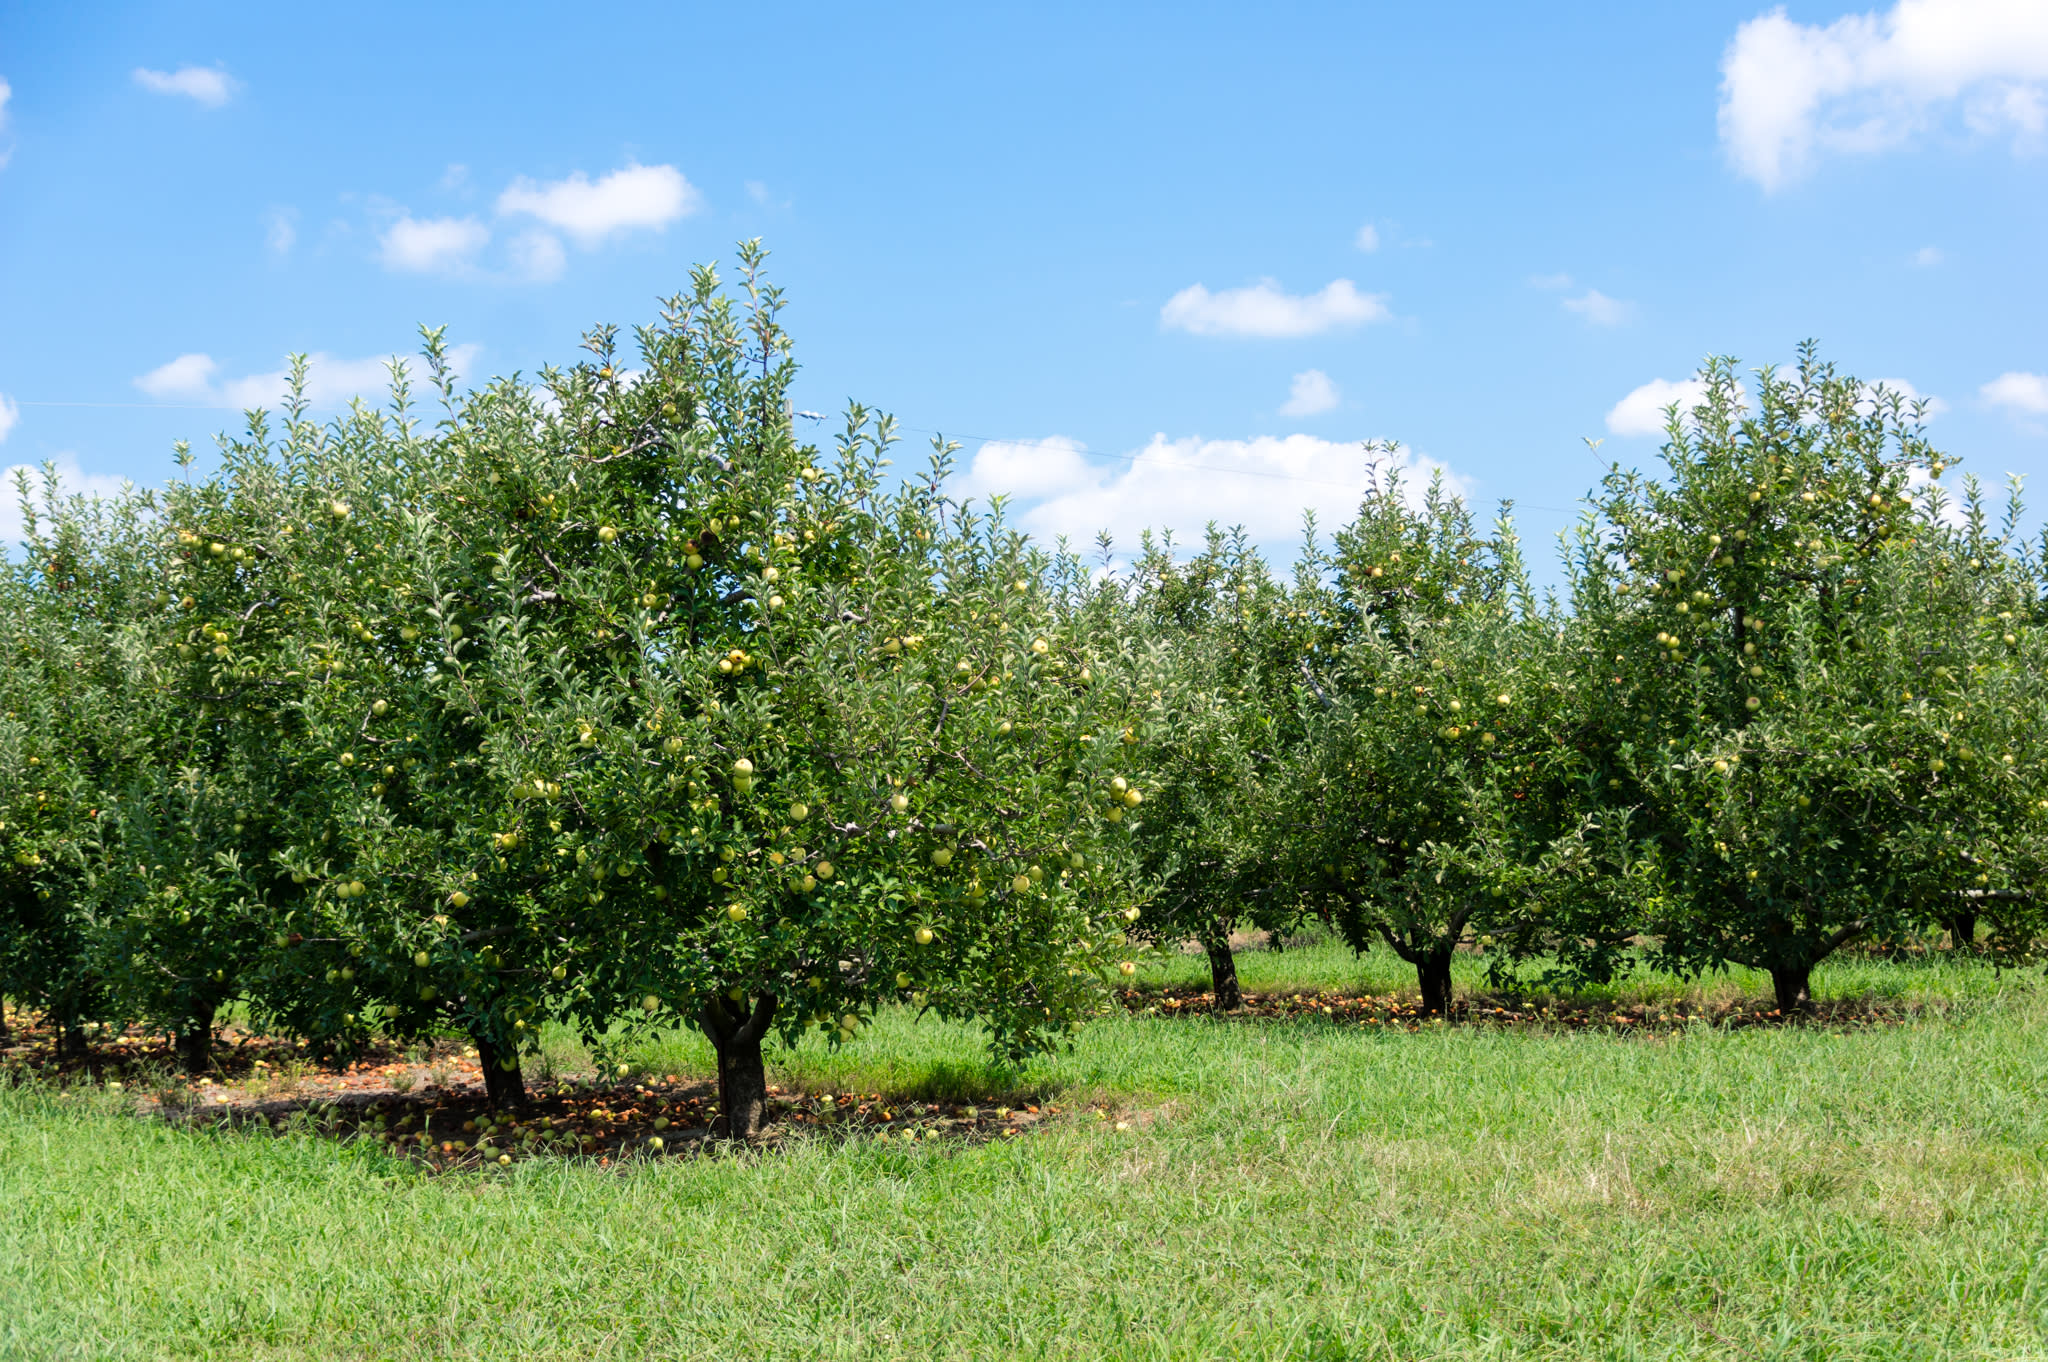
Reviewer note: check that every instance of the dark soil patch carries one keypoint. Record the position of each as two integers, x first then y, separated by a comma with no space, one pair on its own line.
429,1108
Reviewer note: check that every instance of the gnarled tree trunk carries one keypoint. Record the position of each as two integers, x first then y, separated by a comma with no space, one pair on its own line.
195,1040
1223,968
736,1035
70,1039
1433,974
504,1084
1794,986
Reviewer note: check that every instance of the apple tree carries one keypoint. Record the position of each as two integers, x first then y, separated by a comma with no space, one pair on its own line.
1444,747
1801,655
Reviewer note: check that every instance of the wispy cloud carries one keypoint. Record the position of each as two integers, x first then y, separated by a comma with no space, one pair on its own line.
1368,238
1928,256
281,229
9,414
1263,309
1599,309
1310,393
1869,82
432,245
208,86
6,143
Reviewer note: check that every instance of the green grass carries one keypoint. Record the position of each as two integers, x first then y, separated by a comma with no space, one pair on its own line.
1287,1190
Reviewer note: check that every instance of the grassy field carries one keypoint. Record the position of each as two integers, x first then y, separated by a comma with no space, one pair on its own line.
1283,1190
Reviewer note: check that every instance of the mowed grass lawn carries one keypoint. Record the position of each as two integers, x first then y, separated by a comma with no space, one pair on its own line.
1284,1190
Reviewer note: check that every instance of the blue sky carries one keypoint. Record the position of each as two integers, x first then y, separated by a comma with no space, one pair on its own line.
1176,261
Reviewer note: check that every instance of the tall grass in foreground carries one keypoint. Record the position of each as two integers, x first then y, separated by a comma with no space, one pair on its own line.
1284,1190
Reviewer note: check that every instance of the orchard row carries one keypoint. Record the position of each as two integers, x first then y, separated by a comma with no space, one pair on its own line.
604,696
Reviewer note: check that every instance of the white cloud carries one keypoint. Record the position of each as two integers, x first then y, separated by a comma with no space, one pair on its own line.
185,376
206,85
1263,484
757,190
1368,239
1642,411
1599,309
71,481
1868,82
2020,392
9,414
1261,309
1935,406
1928,256
281,230
1311,392
330,382
433,245
1550,281
648,197
6,93
537,256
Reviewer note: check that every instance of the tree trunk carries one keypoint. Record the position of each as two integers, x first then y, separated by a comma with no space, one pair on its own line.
1794,987
1223,973
504,1084
195,1041
70,1040
1962,929
1433,973
5,1034
742,1075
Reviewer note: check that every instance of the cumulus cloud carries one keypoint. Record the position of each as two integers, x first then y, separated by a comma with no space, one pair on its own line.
9,414
71,481
208,86
1311,392
589,213
1642,411
432,245
1264,484
638,197
1264,309
1933,407
1368,239
185,376
330,382
1869,82
1599,309
2018,392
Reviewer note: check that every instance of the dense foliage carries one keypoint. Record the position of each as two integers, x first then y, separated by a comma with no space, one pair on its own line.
606,700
